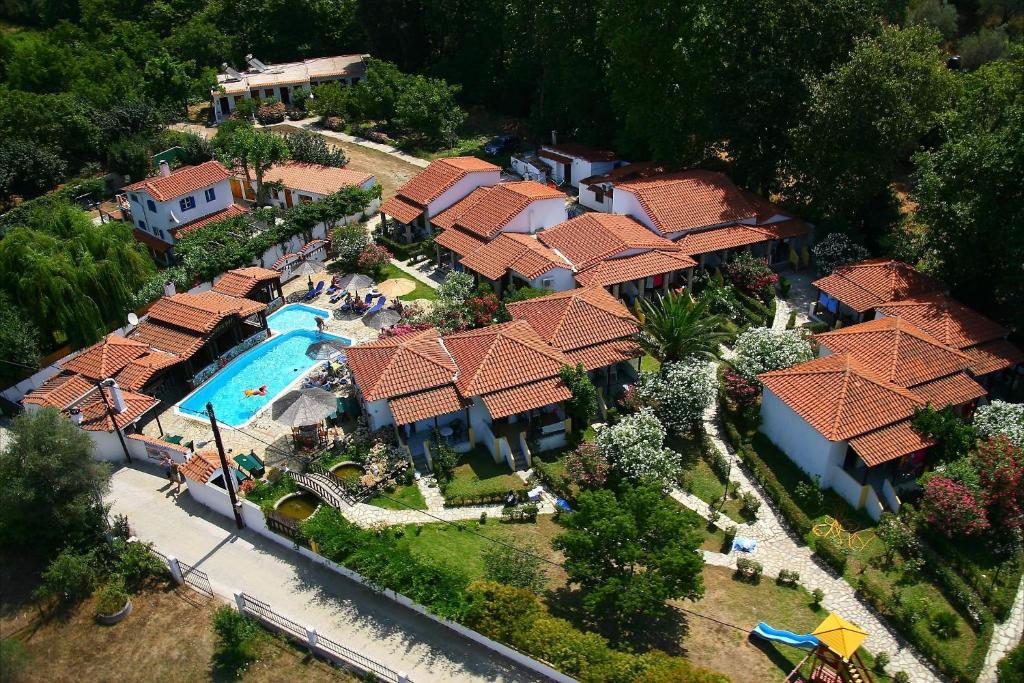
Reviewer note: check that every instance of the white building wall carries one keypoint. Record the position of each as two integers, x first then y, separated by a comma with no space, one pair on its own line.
812,452
588,199
459,190
540,214
556,279
161,219
378,414
626,203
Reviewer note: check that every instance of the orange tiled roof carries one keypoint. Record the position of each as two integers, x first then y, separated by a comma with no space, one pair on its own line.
716,239
889,443
576,318
315,178
947,320
692,199
867,284
151,241
852,296
159,443
591,237
59,391
899,352
523,254
402,209
504,202
459,241
575,149
614,271
241,281
159,336
215,217
993,356
840,396
201,312
450,216
501,356
425,404
135,375
634,171
105,358
791,227
201,465
398,366
95,417
952,390
517,399
440,175
183,181
605,354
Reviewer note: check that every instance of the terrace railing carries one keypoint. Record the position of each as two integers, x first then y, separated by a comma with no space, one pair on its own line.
323,486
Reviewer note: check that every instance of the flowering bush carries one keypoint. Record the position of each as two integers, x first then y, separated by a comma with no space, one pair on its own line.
451,312
952,508
270,113
1000,467
247,485
679,393
586,466
404,328
836,250
740,390
750,274
635,447
482,309
629,401
347,243
372,258
761,349
1000,417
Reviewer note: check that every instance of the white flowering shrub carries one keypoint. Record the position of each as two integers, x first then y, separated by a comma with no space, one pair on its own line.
635,447
1000,417
836,250
679,394
761,349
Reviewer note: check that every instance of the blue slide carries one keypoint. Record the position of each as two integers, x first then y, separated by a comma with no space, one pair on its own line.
804,642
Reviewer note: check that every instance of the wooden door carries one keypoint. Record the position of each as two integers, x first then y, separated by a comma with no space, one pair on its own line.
288,198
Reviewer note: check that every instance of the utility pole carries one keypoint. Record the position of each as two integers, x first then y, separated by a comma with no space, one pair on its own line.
228,476
113,420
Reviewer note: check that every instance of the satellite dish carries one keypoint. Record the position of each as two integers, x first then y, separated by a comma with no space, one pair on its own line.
133,319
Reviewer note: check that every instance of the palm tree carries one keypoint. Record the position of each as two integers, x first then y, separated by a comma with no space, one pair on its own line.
678,327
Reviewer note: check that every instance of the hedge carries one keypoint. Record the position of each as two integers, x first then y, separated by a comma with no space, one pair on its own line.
402,252
764,476
483,498
832,553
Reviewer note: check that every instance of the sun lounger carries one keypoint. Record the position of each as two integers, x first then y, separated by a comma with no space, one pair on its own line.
377,306
314,293
369,298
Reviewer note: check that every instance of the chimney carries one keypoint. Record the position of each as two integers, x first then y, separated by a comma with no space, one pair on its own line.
165,168
117,398
554,137
76,416
170,289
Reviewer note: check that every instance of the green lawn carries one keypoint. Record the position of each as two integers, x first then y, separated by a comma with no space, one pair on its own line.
422,291
402,498
650,363
477,475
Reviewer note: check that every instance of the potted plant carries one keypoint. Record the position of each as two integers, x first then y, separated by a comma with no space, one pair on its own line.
112,603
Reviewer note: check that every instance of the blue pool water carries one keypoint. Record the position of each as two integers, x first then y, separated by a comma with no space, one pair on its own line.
277,362
296,317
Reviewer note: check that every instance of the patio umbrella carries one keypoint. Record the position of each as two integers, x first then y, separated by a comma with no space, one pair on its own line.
354,282
396,287
309,267
325,348
385,317
304,407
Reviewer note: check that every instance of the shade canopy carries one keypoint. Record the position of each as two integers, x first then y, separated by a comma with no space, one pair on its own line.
309,267
354,282
840,636
304,407
396,287
325,349
385,317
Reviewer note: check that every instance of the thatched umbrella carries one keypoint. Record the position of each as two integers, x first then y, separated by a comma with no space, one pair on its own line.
326,348
385,317
309,268
396,287
353,282
304,407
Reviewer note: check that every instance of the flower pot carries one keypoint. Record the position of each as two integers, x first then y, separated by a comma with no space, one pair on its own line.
111,619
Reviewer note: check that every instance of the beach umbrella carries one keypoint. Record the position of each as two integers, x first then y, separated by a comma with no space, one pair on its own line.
354,282
309,267
385,317
396,287
303,407
325,348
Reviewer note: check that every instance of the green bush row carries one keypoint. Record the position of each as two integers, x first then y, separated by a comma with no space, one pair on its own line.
998,592
402,252
832,553
553,480
483,498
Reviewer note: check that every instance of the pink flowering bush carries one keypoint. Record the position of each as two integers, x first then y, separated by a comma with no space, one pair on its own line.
587,467
1000,467
952,508
373,257
742,392
403,328
750,274
630,402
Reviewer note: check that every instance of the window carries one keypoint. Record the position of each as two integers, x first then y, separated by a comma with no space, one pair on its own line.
142,224
133,197
162,235
547,283
268,93
305,199
152,205
210,194
599,195
187,203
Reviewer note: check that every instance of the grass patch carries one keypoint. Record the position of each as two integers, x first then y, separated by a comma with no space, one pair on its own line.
478,475
266,494
422,291
649,363
402,498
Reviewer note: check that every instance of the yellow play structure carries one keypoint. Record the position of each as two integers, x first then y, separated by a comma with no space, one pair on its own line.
835,659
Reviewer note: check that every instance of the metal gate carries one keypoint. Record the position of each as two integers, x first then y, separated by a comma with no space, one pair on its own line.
196,579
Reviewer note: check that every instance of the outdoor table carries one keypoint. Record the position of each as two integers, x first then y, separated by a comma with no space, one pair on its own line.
250,465
446,431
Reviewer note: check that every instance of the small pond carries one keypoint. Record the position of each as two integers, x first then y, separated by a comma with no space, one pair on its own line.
348,472
298,506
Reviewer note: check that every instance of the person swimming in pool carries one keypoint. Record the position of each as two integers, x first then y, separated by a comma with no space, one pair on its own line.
262,391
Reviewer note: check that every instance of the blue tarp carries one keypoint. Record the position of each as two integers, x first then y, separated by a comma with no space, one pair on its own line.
744,544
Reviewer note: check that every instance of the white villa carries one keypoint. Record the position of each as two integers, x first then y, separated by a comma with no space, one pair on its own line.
296,182
571,162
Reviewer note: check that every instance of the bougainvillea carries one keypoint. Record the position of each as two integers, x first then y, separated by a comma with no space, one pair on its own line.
679,393
483,309
630,401
952,508
750,274
761,349
403,328
1000,417
741,391
586,466
635,447
1000,467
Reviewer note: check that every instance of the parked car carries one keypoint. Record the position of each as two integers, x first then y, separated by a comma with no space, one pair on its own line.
500,144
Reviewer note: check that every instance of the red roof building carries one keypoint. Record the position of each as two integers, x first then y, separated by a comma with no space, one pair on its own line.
183,181
868,284
420,193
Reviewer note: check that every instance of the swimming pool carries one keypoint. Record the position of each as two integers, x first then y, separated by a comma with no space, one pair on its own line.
277,363
296,317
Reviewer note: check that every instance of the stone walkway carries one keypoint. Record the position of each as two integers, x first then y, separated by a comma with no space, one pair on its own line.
310,125
1004,638
423,271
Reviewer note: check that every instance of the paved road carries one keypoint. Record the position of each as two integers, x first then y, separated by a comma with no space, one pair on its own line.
300,589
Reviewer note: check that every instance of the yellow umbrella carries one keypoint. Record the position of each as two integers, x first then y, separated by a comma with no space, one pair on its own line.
840,636
395,287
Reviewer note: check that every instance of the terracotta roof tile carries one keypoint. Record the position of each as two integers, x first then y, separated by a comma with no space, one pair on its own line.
182,343
889,443
840,397
947,320
182,181
622,174
849,294
152,241
575,149
440,175
993,356
897,350
59,391
426,404
692,199
201,465
591,237
397,366
867,284
605,354
106,358
215,217
502,356
716,239
792,227
402,209
95,417
523,254
577,318
159,443
137,373
450,216
241,281
953,390
518,399
765,209
459,241
201,312
617,270
504,202
315,178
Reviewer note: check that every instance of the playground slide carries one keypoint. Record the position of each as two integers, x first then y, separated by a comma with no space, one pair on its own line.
805,642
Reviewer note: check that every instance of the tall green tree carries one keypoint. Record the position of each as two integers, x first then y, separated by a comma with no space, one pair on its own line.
677,327
256,151
19,343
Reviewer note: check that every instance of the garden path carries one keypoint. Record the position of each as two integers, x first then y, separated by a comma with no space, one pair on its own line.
1004,638
424,271
310,125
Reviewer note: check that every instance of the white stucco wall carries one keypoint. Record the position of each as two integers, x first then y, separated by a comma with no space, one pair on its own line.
626,203
538,215
561,280
161,218
378,414
588,199
805,446
463,187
